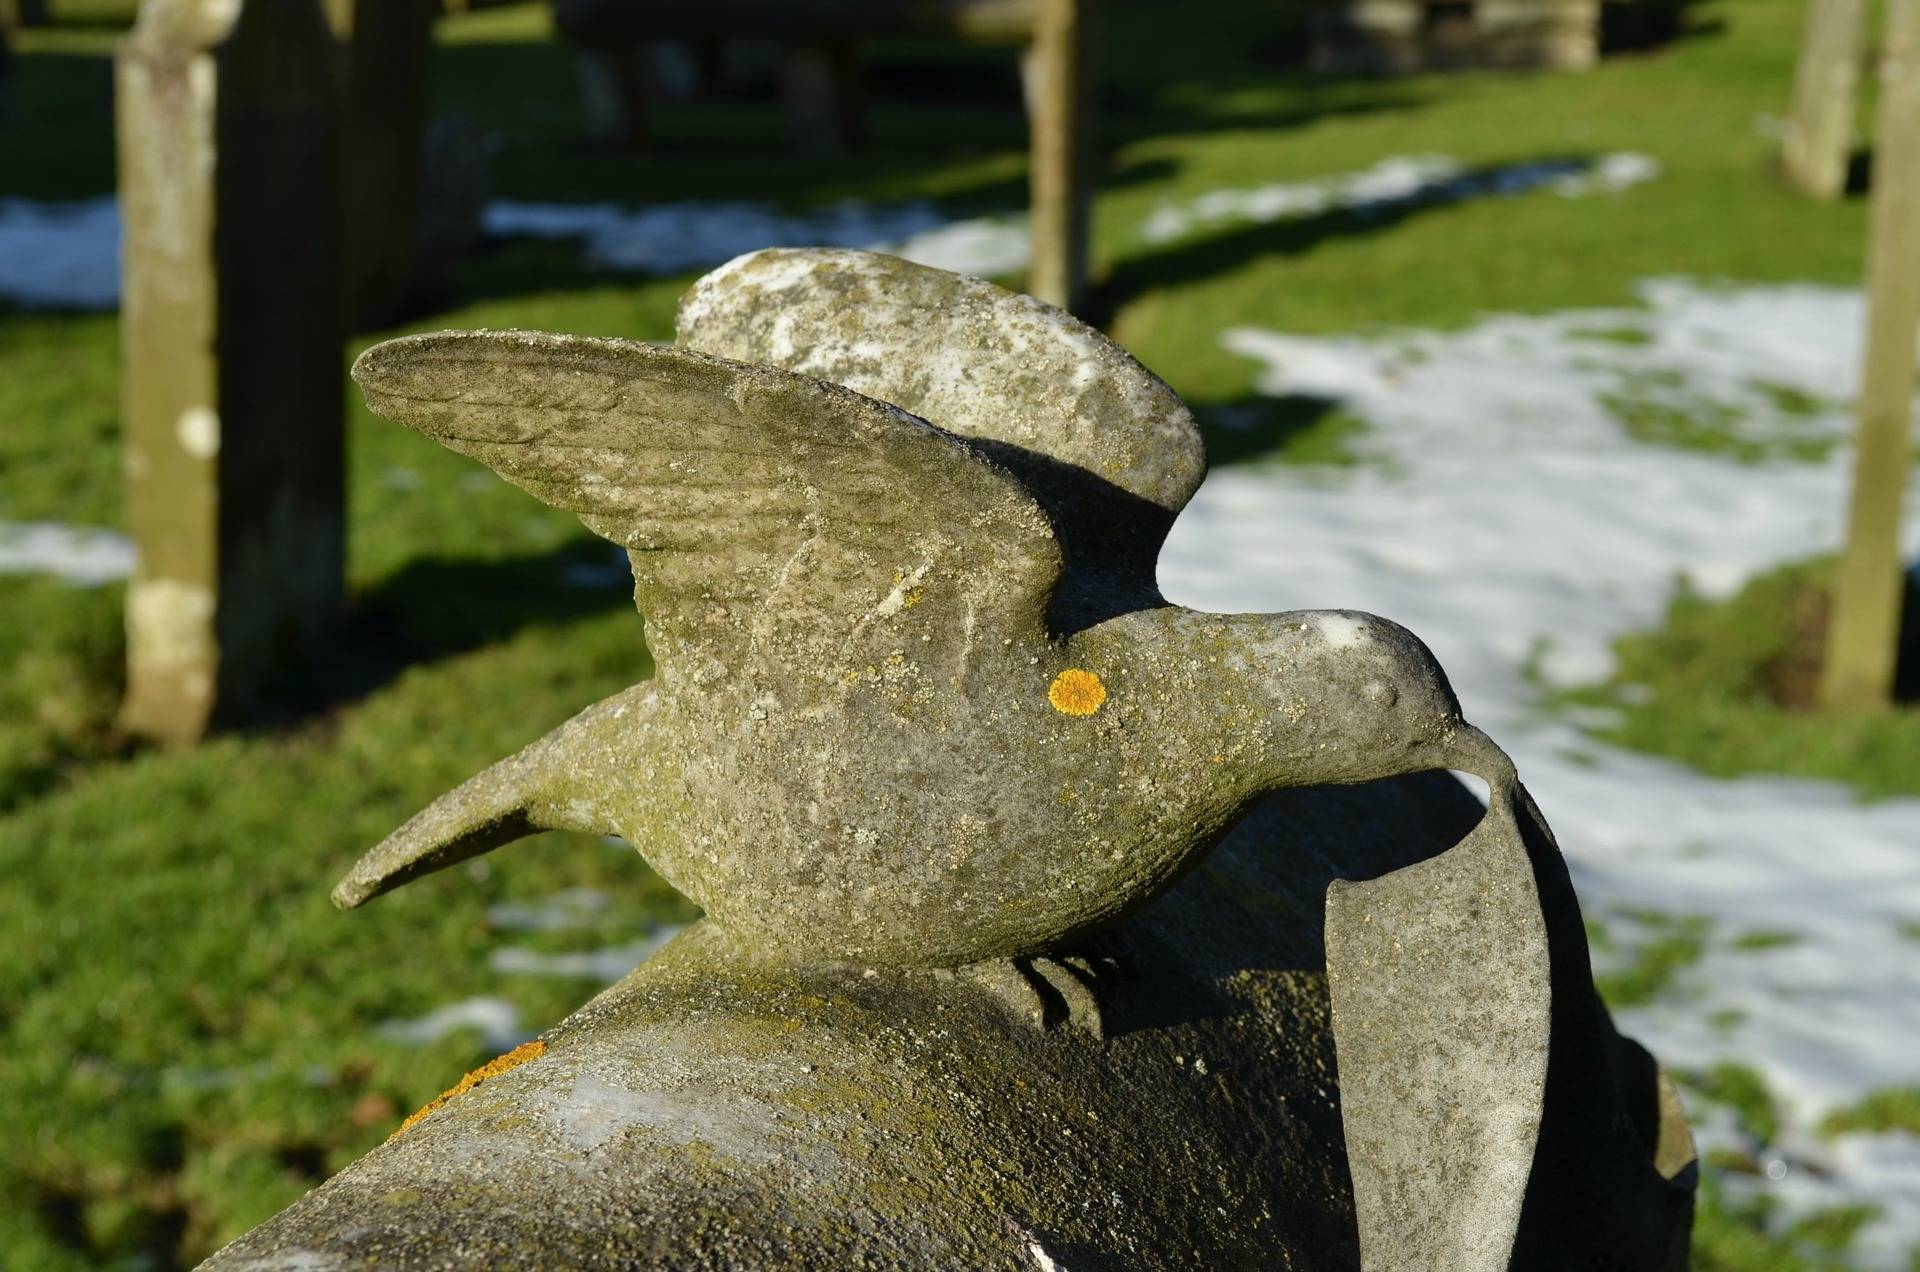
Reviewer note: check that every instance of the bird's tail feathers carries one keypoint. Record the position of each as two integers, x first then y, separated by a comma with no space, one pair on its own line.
507,801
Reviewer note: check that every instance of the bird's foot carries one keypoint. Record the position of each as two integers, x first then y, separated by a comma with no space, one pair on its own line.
1049,991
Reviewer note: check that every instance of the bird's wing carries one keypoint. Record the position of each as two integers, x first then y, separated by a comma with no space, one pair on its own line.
1493,1116
762,510
973,358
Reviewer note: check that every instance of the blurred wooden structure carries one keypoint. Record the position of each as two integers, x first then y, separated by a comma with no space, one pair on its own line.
1375,37
15,14
821,80
231,378
1826,89
385,46
1863,635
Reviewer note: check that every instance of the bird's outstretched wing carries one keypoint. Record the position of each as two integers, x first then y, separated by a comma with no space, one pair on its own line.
1054,399
764,512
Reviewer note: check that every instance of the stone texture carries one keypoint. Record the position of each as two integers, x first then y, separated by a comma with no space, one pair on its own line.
934,756
851,749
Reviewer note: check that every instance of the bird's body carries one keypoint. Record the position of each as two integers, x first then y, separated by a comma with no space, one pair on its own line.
919,700
877,834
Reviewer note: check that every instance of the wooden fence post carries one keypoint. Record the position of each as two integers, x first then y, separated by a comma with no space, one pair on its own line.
1060,100
1864,632
15,14
231,353
387,44
1819,140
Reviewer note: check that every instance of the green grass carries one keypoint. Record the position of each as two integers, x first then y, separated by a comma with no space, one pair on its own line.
1727,687
1674,944
190,1036
1895,1109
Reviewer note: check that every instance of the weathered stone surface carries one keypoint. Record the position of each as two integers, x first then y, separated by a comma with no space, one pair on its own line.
714,1110
930,750
230,347
853,748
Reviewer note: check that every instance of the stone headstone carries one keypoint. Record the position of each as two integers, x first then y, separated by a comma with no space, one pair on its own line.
230,347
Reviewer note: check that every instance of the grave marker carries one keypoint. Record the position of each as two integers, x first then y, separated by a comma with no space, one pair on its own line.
231,358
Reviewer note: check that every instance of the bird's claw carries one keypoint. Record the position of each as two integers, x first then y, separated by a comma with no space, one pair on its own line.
1049,991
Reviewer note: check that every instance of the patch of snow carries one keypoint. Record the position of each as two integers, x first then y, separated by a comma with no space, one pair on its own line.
64,254
608,964
68,254
496,1019
1395,183
82,555
568,908
671,238
1514,524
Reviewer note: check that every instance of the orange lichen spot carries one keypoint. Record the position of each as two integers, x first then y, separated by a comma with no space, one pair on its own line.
1076,693
491,1069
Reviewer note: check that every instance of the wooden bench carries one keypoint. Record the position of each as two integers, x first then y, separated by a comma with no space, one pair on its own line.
1400,36
820,79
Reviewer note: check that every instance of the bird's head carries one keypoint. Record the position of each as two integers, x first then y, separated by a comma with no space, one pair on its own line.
1338,696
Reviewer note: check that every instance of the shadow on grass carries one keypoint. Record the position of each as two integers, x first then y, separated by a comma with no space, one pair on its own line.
434,609
1291,428
1194,259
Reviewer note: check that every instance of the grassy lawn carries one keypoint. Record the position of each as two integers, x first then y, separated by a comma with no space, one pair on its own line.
1729,687
193,1037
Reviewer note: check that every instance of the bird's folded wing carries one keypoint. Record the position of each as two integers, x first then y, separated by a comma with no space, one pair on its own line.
973,358
764,512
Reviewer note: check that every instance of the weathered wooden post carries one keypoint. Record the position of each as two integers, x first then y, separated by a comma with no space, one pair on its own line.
820,81
231,374
386,47
1819,138
1864,633
15,14
1059,77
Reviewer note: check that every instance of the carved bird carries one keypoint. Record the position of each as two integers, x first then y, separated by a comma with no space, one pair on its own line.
918,699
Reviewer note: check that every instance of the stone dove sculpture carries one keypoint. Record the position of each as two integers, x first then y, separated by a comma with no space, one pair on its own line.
918,698
920,705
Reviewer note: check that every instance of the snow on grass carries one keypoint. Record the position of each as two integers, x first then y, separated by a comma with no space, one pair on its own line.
673,238
82,555
67,254
495,1019
1394,183
1519,524
607,964
565,909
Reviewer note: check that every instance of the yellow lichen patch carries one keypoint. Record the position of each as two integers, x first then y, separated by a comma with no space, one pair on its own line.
1076,693
491,1069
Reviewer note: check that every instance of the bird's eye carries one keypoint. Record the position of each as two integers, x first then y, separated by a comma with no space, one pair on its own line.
1379,691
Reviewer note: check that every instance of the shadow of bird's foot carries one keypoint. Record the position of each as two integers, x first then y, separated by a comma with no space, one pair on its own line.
1047,992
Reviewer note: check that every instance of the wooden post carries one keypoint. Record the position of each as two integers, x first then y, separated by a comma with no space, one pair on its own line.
231,360
387,44
1059,82
6,76
1819,140
1864,632
16,14
820,80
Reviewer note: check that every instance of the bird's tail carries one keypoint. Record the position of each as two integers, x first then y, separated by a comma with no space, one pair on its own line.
519,796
